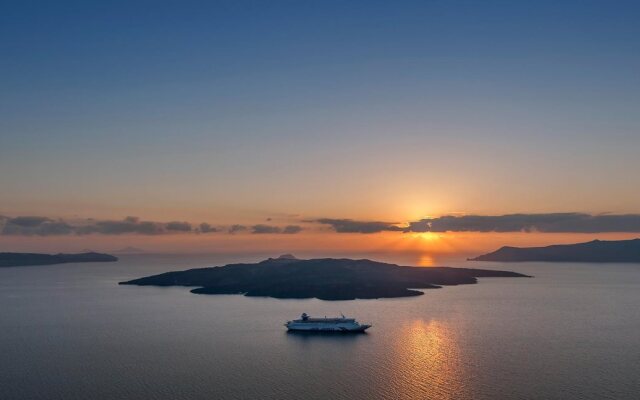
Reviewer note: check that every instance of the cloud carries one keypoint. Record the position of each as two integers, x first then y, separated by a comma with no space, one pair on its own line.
351,226
260,228
129,225
178,226
546,223
34,226
236,228
291,229
45,226
206,228
549,223
29,222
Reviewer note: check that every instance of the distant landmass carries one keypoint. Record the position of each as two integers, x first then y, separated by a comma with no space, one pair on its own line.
595,251
26,259
287,277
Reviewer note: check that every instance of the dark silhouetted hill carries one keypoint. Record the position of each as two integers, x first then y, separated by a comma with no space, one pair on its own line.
326,279
595,251
26,259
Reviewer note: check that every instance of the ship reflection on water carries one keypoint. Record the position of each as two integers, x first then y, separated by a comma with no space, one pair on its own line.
317,336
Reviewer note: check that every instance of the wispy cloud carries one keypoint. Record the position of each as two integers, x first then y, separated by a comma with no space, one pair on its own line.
262,228
206,228
236,228
291,229
129,225
45,226
178,226
352,226
32,225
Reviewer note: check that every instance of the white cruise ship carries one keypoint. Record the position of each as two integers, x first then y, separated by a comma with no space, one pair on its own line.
340,324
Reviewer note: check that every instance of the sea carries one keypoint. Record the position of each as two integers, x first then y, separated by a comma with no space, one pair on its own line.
71,332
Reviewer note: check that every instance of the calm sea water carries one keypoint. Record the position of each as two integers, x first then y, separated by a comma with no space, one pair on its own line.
70,332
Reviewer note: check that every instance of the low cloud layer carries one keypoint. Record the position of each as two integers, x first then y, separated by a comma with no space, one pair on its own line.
178,226
44,226
264,229
352,226
206,228
29,226
289,229
236,229
548,223
129,225
545,223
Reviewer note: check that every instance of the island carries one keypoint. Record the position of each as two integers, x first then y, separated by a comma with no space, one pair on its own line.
27,259
597,251
326,278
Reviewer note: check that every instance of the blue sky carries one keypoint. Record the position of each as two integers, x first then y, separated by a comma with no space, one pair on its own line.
371,110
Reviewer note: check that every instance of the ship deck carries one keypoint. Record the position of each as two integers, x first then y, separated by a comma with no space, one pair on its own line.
325,320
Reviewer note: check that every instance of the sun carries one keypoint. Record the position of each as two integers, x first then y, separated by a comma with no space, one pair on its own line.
427,236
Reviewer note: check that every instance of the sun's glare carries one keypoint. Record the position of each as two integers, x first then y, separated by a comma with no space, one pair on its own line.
428,236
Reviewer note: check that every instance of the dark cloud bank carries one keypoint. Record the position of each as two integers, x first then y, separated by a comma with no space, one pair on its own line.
289,229
44,226
351,226
548,223
265,229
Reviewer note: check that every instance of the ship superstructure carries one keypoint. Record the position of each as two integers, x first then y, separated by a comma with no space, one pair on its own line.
339,324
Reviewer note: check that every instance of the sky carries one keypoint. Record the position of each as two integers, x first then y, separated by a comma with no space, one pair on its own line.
280,115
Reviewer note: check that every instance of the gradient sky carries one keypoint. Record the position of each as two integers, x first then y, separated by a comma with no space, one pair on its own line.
233,112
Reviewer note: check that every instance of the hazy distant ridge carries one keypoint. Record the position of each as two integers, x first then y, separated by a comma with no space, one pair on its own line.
25,259
595,251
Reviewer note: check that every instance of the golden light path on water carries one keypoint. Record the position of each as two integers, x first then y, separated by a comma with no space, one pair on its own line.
426,260
428,362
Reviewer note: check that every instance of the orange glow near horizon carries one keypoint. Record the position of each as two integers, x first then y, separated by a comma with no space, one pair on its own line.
426,260
424,249
428,236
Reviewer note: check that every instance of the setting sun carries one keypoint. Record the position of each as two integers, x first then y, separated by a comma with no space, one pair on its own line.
428,236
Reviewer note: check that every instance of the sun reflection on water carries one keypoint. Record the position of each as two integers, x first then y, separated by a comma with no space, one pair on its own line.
428,363
426,260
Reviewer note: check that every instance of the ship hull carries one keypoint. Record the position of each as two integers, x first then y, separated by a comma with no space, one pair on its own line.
327,328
